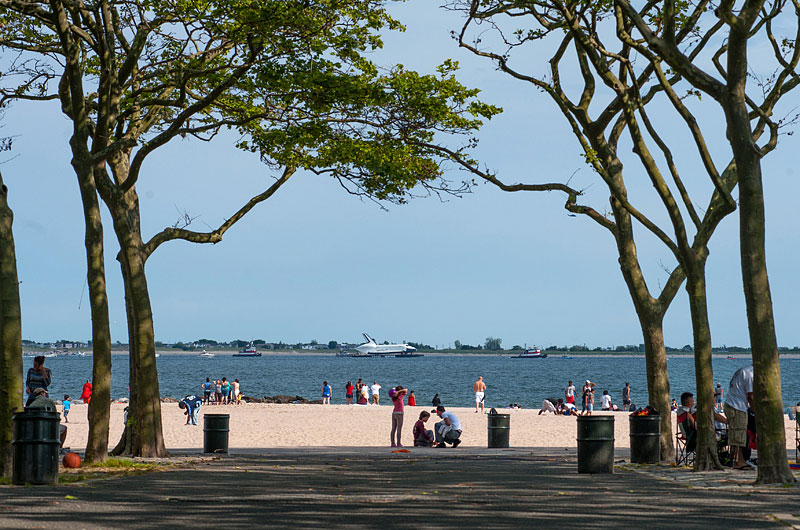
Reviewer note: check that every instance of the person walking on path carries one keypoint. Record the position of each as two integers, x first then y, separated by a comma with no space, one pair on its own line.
480,392
397,394
740,397
569,393
327,393
626,397
376,388
38,377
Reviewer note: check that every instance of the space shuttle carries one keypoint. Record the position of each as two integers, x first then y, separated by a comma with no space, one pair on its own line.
373,348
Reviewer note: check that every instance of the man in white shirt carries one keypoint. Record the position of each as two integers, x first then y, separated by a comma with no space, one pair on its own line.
376,388
448,430
740,396
569,393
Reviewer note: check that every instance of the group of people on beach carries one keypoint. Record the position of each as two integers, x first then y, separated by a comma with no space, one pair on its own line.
447,431
221,392
362,393
566,406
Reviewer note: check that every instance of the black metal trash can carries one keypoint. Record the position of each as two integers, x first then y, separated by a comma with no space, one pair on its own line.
595,444
645,439
35,445
499,429
215,433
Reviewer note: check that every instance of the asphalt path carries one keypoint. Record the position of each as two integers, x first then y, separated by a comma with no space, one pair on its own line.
426,488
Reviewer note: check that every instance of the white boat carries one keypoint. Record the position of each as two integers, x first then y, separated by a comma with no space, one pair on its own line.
250,351
530,353
206,354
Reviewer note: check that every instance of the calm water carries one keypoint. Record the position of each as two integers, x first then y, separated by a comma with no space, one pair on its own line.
524,381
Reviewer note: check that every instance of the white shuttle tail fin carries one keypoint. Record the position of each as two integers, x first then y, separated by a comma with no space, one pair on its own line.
370,340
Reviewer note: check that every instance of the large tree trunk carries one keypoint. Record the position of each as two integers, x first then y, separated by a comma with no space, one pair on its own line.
125,444
707,458
768,404
651,316
147,438
100,405
10,334
658,380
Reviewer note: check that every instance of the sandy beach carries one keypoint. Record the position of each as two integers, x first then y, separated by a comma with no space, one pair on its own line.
258,425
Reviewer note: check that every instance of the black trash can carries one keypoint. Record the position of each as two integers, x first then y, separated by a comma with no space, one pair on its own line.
215,433
595,444
645,439
35,445
499,429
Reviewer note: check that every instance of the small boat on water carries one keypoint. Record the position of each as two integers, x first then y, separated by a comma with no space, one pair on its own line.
250,351
730,358
530,353
206,354
565,356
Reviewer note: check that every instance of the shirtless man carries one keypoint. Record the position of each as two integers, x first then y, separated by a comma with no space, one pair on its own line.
479,387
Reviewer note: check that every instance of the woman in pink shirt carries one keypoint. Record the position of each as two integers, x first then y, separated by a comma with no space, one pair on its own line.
397,394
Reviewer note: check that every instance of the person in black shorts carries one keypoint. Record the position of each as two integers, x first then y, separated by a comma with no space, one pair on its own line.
626,397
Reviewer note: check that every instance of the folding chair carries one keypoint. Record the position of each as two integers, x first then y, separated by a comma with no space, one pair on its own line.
682,456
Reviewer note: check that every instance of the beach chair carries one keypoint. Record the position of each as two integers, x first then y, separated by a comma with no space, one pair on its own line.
682,456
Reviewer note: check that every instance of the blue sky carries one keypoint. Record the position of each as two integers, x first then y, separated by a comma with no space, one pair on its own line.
316,263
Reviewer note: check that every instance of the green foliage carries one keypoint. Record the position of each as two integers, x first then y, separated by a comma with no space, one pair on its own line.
493,343
292,77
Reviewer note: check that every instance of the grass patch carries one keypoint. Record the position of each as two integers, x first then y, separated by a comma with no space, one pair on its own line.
5,481
124,464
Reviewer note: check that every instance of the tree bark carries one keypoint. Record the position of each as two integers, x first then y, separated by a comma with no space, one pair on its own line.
11,378
773,466
707,458
144,417
658,380
100,405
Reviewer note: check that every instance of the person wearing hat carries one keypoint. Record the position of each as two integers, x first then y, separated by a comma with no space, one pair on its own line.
42,402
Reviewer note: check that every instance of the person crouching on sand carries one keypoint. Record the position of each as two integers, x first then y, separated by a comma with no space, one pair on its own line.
422,437
397,394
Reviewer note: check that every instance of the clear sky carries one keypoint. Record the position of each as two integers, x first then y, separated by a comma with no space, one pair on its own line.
316,263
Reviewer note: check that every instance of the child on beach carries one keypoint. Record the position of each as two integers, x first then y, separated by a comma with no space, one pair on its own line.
327,392
412,399
422,437
66,404
348,392
237,391
397,394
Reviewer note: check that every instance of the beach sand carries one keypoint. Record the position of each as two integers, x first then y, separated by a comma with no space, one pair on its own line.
257,425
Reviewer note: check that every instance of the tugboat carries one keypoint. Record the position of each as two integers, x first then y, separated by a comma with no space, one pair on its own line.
250,351
530,353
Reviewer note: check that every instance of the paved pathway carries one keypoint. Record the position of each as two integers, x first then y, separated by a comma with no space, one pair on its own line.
427,488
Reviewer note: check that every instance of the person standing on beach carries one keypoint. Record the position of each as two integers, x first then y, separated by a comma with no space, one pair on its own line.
588,398
412,399
327,393
569,393
237,396
626,396
86,394
207,387
226,391
348,392
718,403
397,394
376,388
38,377
740,397
480,392
364,395
218,391
66,404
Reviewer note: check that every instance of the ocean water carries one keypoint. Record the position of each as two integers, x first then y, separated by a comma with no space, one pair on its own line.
523,381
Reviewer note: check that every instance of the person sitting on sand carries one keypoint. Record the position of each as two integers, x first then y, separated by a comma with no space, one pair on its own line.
422,437
191,405
436,401
448,430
